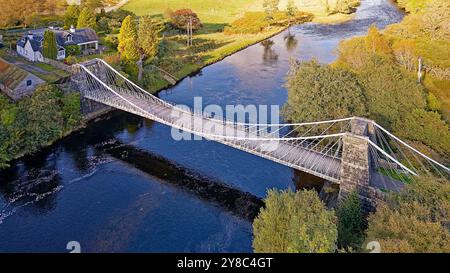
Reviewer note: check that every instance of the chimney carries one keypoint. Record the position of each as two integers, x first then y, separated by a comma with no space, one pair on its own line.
72,29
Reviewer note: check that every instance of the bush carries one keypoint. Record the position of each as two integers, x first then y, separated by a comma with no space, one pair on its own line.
251,22
296,223
73,50
350,223
180,18
320,92
71,60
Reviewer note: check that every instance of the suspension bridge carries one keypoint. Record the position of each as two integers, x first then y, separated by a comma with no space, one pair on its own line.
350,151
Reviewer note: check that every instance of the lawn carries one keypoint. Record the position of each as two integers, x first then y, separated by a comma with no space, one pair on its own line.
209,11
210,42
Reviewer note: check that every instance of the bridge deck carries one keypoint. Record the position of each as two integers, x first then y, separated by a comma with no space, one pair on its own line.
283,152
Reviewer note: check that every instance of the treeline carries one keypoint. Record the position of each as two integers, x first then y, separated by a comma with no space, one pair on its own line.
29,124
31,12
375,76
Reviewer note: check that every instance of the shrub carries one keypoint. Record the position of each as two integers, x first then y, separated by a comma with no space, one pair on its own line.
251,22
180,18
296,223
71,60
73,50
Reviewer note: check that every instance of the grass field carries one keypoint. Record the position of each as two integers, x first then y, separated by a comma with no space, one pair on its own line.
209,11
210,43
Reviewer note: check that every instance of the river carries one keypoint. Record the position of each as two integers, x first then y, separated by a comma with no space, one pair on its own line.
124,185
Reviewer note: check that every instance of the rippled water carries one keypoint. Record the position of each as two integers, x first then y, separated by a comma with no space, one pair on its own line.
124,184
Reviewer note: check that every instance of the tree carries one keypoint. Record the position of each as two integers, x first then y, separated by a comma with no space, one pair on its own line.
49,49
291,10
148,40
390,92
294,222
71,16
350,223
320,92
180,19
421,125
270,7
86,19
377,43
404,53
413,220
128,40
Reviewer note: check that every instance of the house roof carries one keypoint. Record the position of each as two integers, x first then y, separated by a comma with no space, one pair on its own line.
11,75
79,36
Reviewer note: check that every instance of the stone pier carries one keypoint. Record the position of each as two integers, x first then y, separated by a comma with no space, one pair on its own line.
356,165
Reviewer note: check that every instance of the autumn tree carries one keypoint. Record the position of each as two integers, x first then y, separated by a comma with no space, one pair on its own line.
376,42
71,16
404,53
49,49
86,19
180,19
295,222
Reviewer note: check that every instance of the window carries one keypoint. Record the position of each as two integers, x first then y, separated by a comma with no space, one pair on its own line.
69,38
29,82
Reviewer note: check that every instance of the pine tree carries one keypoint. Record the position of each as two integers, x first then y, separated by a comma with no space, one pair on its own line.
86,19
148,40
128,39
49,49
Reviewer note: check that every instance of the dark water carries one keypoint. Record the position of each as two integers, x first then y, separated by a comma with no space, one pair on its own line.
124,184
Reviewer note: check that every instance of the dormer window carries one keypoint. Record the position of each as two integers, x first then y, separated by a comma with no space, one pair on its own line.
69,38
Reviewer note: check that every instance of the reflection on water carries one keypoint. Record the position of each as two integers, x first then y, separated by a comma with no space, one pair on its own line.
291,41
131,199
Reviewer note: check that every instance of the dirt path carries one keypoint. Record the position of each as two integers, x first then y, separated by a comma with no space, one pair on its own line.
117,6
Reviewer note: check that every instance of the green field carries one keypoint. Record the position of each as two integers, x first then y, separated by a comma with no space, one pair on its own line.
209,11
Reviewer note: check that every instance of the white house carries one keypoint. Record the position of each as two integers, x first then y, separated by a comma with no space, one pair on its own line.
30,46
